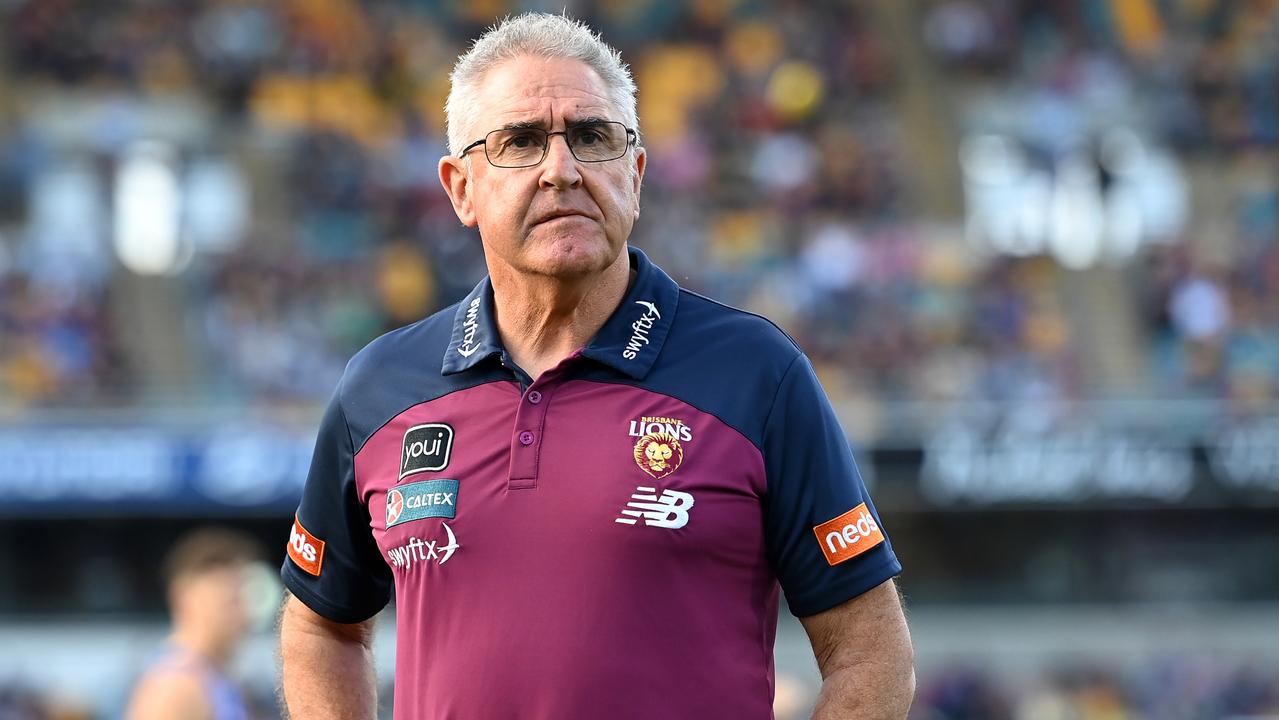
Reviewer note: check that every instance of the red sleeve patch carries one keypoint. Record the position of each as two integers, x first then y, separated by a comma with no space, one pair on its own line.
849,535
306,550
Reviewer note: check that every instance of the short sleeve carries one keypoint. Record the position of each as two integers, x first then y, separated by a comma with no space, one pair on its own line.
332,563
824,536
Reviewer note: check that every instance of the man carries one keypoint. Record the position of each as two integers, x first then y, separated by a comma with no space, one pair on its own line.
583,483
205,575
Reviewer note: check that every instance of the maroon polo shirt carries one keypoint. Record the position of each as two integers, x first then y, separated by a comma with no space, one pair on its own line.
606,542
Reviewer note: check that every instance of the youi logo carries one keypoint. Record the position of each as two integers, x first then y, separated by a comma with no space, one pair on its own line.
427,448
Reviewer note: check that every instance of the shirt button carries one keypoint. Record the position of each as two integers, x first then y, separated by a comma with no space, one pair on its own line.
526,438
535,397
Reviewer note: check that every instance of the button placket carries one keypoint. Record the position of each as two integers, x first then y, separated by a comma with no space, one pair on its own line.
527,437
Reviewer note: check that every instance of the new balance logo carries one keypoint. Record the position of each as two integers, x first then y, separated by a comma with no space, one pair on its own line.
668,511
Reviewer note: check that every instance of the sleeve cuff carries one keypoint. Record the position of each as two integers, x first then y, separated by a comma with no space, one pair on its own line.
303,591
845,589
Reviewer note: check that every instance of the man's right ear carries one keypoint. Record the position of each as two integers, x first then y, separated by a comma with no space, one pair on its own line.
456,180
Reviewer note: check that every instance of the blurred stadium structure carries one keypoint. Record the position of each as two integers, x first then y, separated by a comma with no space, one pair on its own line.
1033,248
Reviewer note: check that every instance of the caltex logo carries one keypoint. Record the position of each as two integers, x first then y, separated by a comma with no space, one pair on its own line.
421,500
394,506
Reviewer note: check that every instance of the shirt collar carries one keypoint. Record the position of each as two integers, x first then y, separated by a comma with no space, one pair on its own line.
629,342
632,338
475,335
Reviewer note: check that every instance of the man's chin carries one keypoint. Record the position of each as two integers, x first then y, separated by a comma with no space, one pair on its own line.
573,258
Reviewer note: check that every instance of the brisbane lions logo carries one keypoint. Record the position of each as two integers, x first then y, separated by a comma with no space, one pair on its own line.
658,454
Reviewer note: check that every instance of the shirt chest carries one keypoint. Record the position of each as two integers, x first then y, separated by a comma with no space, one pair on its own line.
573,471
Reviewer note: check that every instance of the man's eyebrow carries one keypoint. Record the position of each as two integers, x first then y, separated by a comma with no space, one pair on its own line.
524,125
541,125
588,120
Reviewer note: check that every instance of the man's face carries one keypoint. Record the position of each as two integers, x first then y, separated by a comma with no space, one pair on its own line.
562,218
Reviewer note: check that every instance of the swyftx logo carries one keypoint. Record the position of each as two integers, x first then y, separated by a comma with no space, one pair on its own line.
470,327
640,329
417,551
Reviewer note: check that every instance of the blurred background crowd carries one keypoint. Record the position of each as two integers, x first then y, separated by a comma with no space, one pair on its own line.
804,165
1042,206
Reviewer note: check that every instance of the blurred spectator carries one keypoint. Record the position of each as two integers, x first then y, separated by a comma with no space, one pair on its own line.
19,703
205,575
1172,688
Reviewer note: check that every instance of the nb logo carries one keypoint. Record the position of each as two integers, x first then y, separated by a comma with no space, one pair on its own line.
668,511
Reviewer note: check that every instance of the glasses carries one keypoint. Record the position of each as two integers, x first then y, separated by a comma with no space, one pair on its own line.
527,146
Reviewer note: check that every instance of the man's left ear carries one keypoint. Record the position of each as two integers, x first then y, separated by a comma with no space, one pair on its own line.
641,160
456,181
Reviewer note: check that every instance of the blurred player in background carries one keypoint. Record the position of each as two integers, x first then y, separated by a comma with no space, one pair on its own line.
205,574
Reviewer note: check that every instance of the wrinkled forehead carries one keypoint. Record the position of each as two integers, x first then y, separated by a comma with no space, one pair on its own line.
541,92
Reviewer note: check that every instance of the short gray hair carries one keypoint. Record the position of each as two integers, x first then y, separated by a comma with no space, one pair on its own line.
539,35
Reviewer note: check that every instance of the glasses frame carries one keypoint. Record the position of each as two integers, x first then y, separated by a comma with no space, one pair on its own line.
632,138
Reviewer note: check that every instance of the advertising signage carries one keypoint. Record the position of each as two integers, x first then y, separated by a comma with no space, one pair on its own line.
966,467
146,470
237,468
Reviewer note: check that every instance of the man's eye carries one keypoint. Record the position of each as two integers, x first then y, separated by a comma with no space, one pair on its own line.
588,137
523,140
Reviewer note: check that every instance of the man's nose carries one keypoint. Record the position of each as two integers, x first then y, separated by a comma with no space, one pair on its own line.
559,167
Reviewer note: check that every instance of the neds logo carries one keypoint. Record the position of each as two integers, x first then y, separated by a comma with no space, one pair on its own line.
301,546
848,535
305,549
426,449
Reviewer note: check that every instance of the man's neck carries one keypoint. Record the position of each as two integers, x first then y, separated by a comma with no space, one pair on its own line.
543,320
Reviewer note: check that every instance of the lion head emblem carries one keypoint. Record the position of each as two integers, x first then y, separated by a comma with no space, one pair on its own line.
658,454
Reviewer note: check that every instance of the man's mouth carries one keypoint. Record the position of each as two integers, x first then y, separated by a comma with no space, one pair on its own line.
561,214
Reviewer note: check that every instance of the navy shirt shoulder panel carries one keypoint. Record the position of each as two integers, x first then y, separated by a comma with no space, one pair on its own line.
724,361
348,581
401,369
333,564
389,347
744,315
825,537
746,371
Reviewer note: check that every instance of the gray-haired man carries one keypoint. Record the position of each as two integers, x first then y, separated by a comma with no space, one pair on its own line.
583,483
